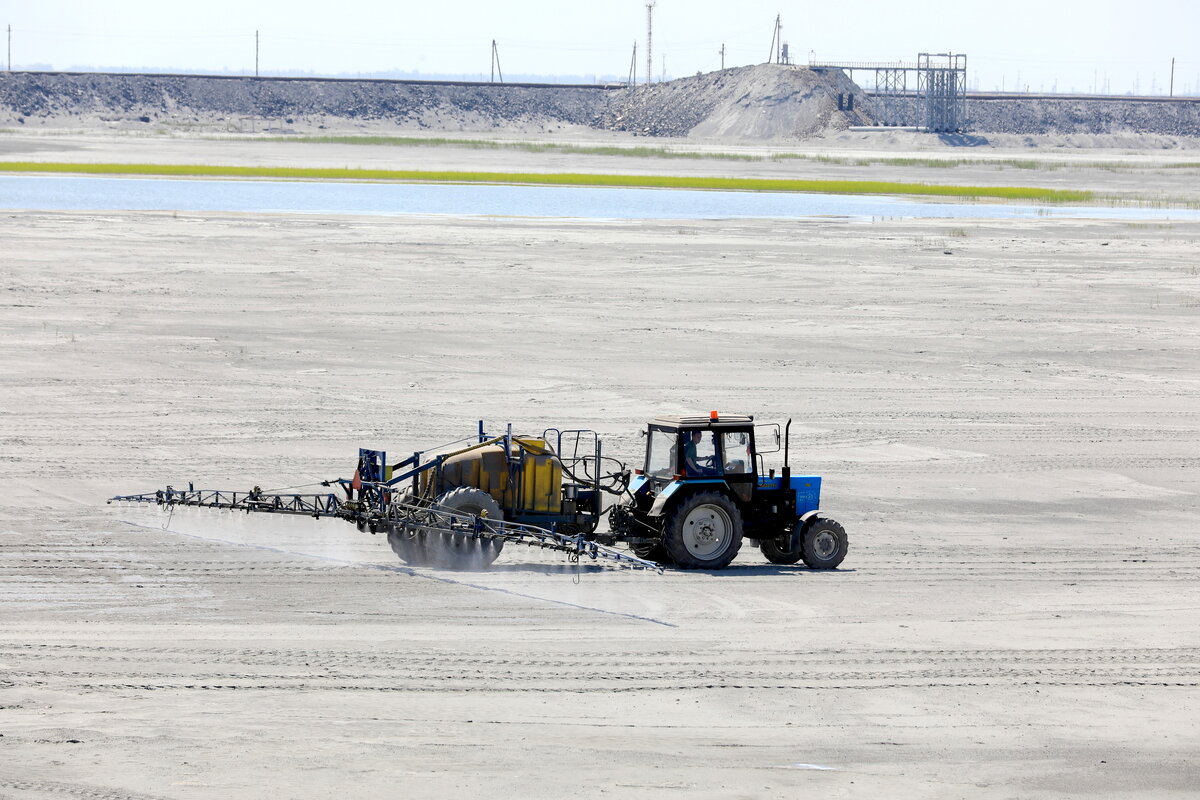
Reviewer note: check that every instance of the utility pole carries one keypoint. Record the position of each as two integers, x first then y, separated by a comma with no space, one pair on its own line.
776,40
496,63
10,51
633,66
256,54
1171,95
722,55
649,40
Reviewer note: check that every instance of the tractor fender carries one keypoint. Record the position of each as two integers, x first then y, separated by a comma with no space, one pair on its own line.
806,516
672,489
798,528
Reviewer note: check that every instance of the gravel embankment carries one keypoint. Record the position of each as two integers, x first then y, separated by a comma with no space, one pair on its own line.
1073,116
764,102
31,98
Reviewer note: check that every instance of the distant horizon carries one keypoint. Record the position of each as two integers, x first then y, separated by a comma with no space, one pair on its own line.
1066,47
394,74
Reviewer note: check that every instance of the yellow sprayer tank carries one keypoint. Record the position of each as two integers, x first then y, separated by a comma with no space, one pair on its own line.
541,478
483,468
534,488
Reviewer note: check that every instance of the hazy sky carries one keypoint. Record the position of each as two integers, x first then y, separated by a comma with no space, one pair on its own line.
1045,43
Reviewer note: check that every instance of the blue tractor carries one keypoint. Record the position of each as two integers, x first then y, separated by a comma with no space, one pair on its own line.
703,490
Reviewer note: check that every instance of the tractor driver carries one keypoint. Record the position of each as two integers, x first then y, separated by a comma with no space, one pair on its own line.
696,464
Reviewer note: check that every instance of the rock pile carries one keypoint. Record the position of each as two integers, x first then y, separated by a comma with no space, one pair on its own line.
759,102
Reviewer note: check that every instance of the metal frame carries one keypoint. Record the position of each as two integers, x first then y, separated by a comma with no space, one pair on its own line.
405,517
942,87
313,505
937,104
890,90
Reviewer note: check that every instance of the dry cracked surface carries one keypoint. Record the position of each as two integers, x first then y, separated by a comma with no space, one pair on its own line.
1005,416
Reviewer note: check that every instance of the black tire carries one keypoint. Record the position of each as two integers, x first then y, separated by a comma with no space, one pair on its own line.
779,550
465,552
824,543
651,552
410,546
703,531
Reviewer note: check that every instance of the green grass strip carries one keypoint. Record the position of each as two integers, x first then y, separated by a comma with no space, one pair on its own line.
563,179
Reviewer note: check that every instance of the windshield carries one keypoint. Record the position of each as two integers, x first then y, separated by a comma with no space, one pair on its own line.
738,458
660,454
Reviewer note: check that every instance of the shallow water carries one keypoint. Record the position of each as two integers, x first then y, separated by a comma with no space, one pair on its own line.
73,193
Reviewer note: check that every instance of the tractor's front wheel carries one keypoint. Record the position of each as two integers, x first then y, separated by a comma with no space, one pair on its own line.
824,543
703,531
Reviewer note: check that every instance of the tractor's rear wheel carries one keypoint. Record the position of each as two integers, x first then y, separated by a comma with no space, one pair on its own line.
703,531
824,543
461,551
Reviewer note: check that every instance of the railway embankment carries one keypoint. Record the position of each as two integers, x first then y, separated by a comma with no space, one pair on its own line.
755,103
759,102
1038,115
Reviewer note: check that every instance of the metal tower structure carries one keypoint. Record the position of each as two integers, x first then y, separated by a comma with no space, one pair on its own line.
938,102
891,86
942,86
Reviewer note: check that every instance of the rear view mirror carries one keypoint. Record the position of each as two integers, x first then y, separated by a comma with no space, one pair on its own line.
775,433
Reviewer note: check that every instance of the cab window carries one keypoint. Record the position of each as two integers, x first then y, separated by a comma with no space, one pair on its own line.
700,454
737,455
660,454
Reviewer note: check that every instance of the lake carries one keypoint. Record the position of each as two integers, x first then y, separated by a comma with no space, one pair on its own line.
73,193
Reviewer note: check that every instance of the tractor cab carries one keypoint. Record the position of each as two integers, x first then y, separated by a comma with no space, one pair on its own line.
711,449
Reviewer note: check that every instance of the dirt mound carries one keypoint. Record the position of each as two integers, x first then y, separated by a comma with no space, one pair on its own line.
766,101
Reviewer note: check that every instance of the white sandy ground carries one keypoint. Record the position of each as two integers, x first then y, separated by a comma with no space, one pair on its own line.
1007,417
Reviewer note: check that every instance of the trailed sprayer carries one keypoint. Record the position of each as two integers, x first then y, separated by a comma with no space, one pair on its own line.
702,490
